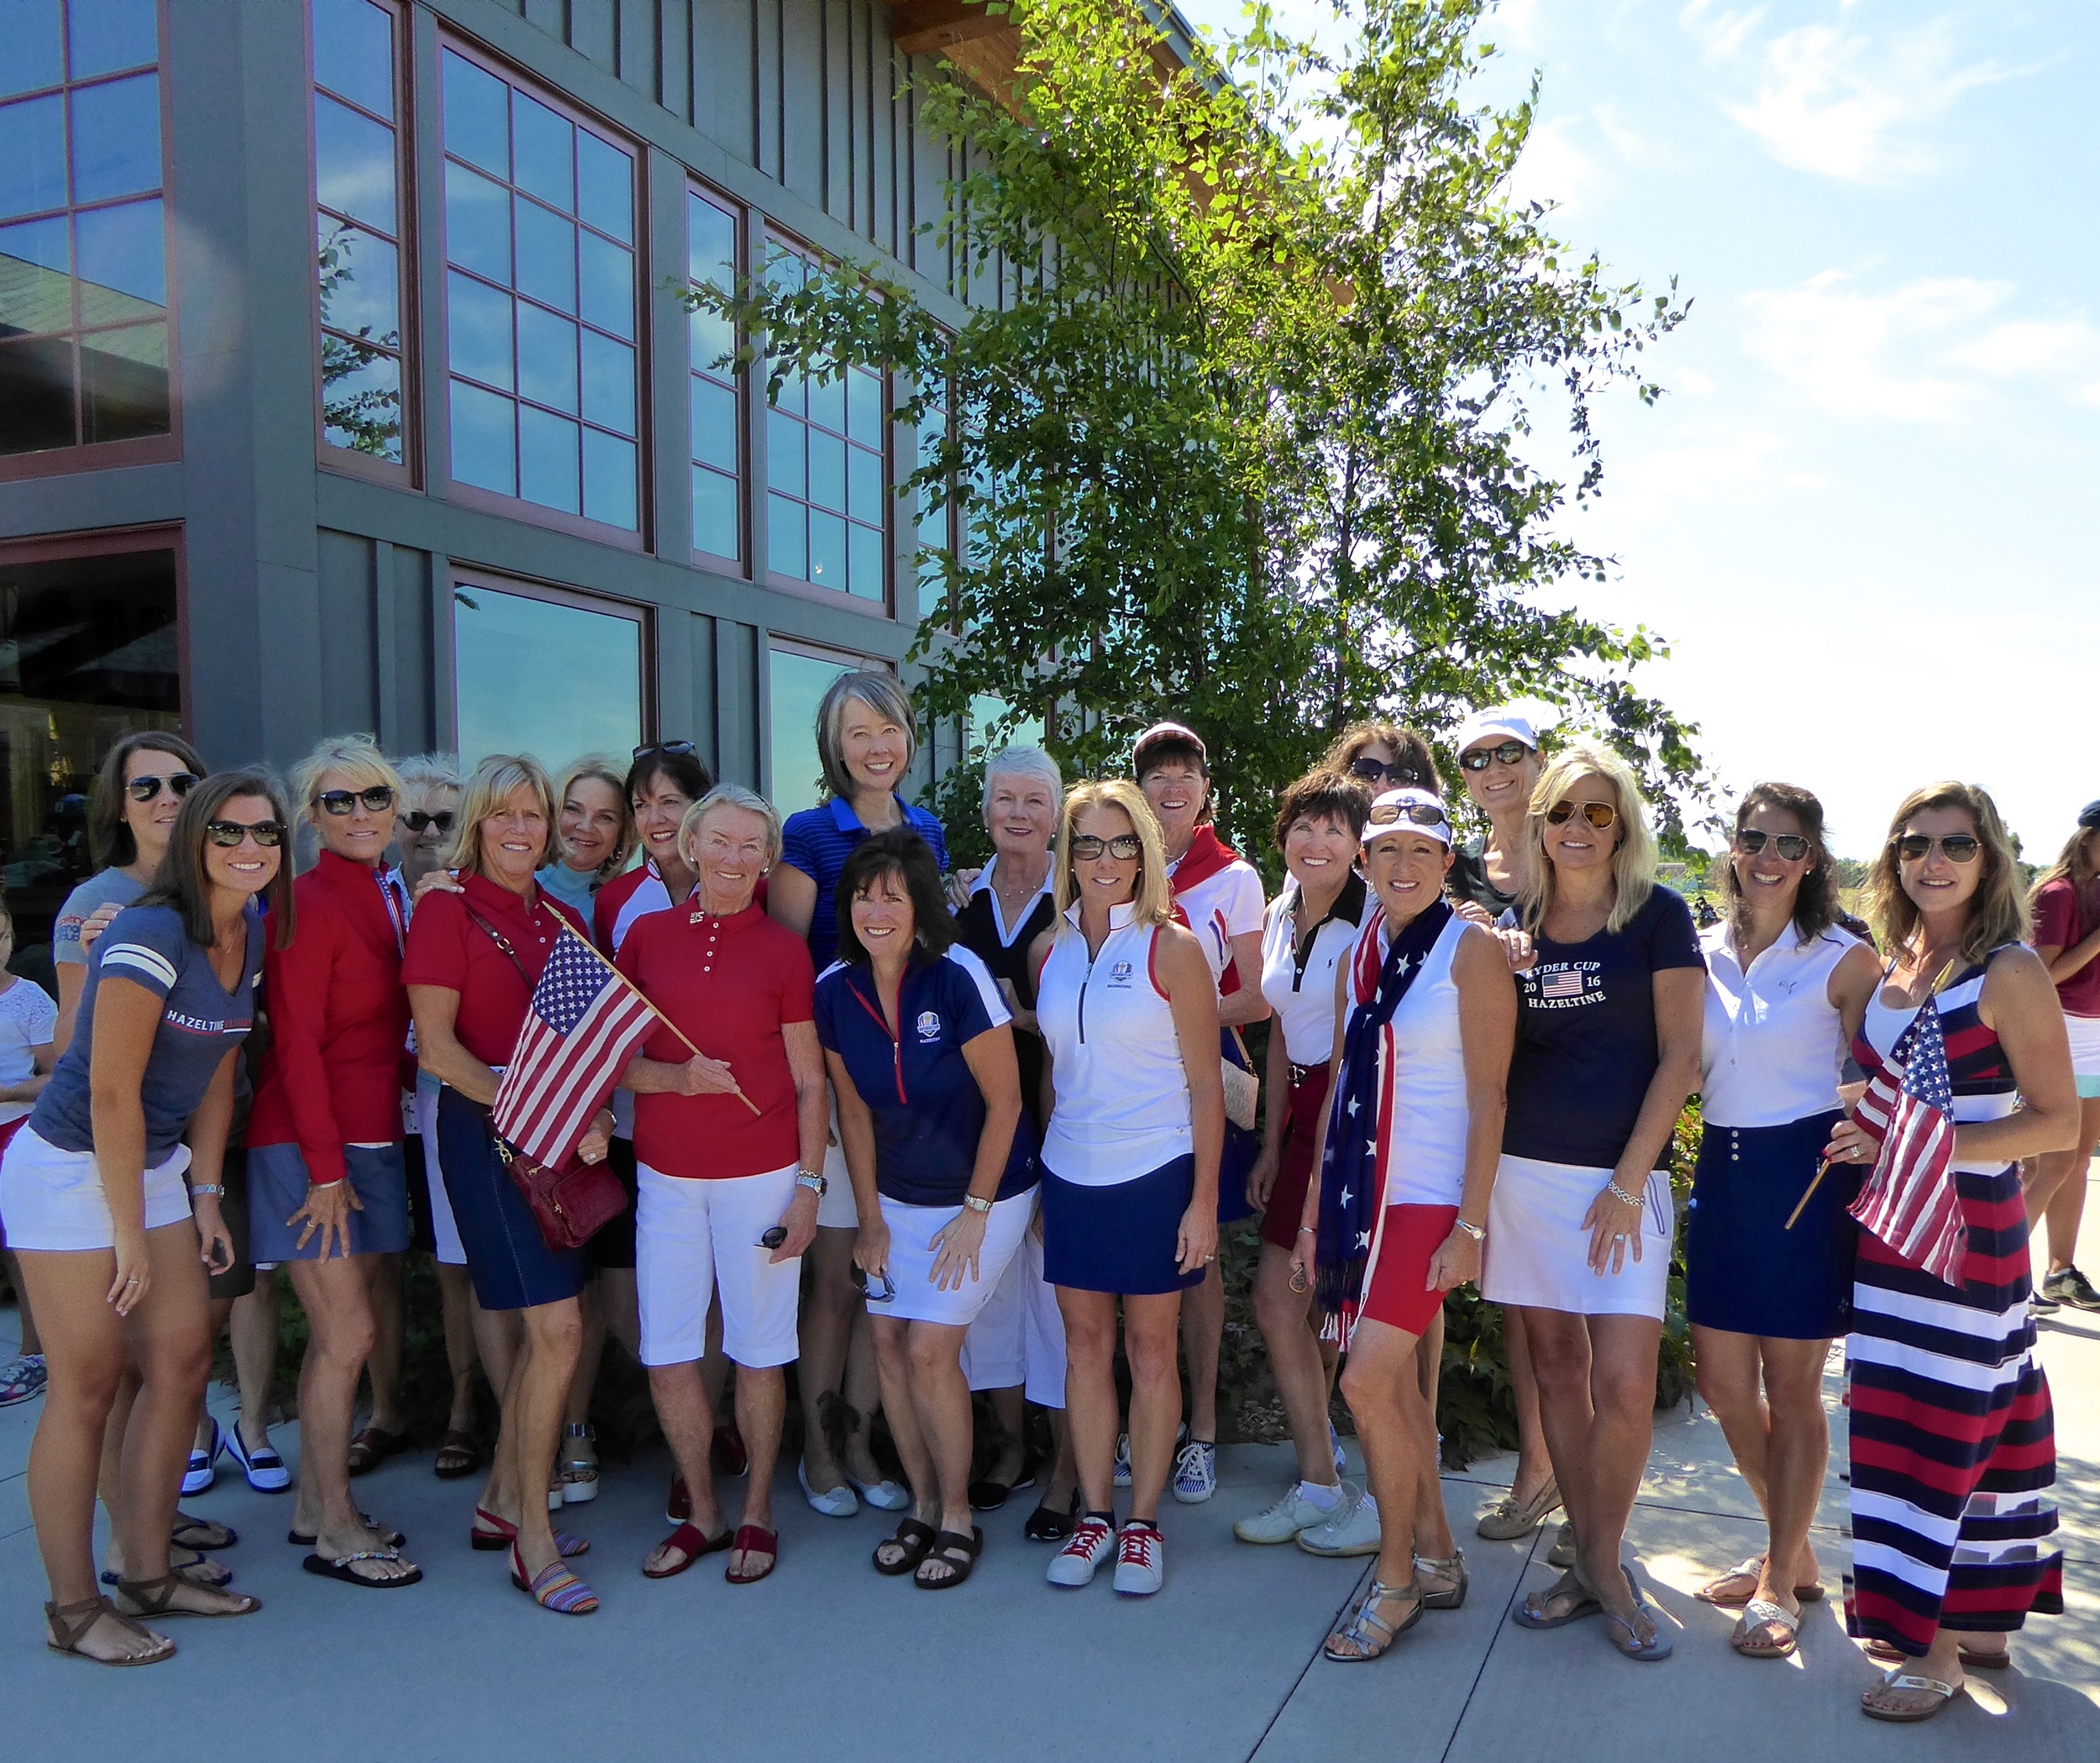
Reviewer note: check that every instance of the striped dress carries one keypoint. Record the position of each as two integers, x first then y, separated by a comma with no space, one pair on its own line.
1953,1442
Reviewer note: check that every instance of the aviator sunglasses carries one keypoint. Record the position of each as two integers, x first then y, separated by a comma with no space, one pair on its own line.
1422,814
1791,846
1509,752
1599,814
1125,846
144,790
228,834
339,802
1961,847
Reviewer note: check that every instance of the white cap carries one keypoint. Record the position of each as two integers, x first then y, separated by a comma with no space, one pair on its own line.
1398,802
1497,723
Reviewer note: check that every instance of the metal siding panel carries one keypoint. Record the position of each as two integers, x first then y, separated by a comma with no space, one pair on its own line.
551,16
415,702
347,699
740,705
729,73
882,141
640,32
803,100
674,57
594,29
665,317
839,107
699,635
766,87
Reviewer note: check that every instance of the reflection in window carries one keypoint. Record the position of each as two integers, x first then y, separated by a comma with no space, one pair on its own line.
539,234
544,677
357,226
797,686
83,254
826,513
716,412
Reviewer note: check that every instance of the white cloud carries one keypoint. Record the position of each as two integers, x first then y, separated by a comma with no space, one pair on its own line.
1738,470
1554,167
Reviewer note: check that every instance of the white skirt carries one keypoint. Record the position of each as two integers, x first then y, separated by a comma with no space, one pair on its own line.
912,1232
2085,1047
53,1199
836,1207
1537,1255
1018,1338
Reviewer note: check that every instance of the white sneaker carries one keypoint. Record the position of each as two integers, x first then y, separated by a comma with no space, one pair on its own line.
1334,1445
1289,1515
1092,1542
1351,1528
1140,1561
1122,1459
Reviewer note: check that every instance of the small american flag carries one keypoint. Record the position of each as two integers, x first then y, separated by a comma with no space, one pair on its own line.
1909,1201
1561,983
585,1023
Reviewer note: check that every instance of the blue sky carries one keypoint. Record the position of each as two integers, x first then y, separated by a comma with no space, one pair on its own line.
1864,515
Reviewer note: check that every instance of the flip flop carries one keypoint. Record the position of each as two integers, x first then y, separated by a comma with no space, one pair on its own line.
957,1553
1761,1613
1585,1604
392,1538
690,1539
1912,1681
1652,1651
343,1567
754,1539
203,1534
1751,1568
913,1539
1883,1652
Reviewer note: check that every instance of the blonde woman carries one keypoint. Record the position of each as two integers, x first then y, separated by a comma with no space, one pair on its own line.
597,831
1128,1011
1609,1001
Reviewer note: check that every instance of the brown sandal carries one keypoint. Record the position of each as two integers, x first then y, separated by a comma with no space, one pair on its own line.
70,1624
156,1597
458,1455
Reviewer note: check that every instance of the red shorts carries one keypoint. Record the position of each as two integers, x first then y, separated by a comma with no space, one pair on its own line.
1399,1295
1287,1202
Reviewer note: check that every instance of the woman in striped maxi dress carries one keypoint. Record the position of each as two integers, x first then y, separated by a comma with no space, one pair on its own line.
1953,1441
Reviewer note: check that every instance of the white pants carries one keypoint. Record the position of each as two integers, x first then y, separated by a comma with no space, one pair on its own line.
444,1230
1018,1337
912,1232
53,1199
691,1236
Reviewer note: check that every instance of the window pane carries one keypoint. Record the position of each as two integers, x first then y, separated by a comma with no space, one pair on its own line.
827,470
479,330
125,383
33,155
714,513
353,163
477,107
36,394
787,538
827,550
35,56
353,52
477,224
863,408
827,405
360,398
784,454
605,186
793,395
546,256
484,439
117,138
608,285
546,358
543,151
360,283
608,480
864,494
798,682
547,468
608,382
36,290
585,669
712,343
123,262
711,242
107,35
865,574
714,425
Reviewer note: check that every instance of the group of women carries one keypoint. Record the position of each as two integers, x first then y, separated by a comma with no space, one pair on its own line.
923,1134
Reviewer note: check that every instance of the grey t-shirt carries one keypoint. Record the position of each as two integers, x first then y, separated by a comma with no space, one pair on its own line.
106,887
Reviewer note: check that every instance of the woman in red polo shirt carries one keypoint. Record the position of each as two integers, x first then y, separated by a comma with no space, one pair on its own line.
473,958
729,1145
327,1185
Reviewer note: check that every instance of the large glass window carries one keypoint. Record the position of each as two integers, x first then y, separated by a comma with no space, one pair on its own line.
540,232
553,678
826,500
83,251
716,410
359,214
799,680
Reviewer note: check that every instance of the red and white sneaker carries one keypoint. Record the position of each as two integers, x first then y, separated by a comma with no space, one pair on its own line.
1140,1561
1093,1541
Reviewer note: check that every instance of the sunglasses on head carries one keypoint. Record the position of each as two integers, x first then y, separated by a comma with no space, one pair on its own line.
1791,846
417,819
1125,846
1371,770
1422,814
1509,752
682,749
1599,814
339,802
144,790
228,834
1961,847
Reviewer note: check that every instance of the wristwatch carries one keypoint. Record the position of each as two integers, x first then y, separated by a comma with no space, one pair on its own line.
976,1204
1474,1231
811,1179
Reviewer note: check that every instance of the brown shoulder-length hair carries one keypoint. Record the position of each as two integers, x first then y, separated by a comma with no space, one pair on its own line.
109,840
181,880
2074,864
1410,752
1816,907
1997,911
1323,794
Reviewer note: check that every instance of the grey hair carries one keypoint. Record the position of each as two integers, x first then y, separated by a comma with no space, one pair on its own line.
1025,761
881,693
431,770
730,795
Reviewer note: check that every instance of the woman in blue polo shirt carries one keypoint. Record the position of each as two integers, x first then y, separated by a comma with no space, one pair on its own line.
943,1168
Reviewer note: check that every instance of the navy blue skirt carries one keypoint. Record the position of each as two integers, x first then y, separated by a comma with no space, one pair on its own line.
1241,1147
1745,1272
1119,1239
508,1260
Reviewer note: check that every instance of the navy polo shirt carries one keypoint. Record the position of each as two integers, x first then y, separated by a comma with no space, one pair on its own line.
929,1113
818,840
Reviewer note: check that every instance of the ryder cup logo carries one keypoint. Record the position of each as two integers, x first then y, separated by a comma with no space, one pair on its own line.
929,1025
1119,975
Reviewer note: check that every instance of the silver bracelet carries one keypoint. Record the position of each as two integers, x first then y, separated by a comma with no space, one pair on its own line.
213,1189
319,1187
1620,1193
1307,1230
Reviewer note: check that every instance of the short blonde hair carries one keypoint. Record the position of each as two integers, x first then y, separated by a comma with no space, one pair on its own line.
1154,899
598,766
730,795
485,794
1633,864
358,758
1997,910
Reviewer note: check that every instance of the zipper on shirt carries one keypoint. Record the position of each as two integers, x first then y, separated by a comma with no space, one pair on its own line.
896,1043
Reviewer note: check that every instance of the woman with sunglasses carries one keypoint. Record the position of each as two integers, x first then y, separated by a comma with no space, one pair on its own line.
99,1214
327,1183
1127,1004
1579,1235
2066,903
1786,988
920,1051
1383,756
1953,1439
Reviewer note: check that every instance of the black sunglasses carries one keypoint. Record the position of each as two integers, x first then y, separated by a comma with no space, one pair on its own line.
1599,814
885,1295
683,749
1791,846
773,1236
417,819
144,790
228,834
1422,814
339,802
1370,770
1509,752
1125,846
1961,847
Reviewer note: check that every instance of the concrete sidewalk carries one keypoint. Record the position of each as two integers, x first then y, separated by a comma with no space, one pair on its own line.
825,1659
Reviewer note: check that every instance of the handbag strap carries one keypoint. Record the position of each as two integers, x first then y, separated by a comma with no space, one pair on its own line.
500,941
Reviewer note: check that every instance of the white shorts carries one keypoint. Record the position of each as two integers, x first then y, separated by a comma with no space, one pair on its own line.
693,1236
835,1209
912,1232
2084,1051
53,1199
1538,1252
1018,1337
444,1230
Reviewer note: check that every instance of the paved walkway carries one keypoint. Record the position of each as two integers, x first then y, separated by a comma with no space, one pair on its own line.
826,1660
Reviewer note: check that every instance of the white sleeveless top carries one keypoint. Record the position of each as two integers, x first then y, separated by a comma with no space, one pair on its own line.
1299,984
1423,1114
1120,1101
1772,1047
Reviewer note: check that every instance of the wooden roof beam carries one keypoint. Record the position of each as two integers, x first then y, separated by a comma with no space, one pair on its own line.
927,27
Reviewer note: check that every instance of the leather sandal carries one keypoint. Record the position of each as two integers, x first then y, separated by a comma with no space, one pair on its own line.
69,1625
693,1543
754,1539
1357,1631
372,1445
156,1598
203,1534
1453,1567
957,1553
1883,1652
457,1455
913,1538
1757,1615
1946,1692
